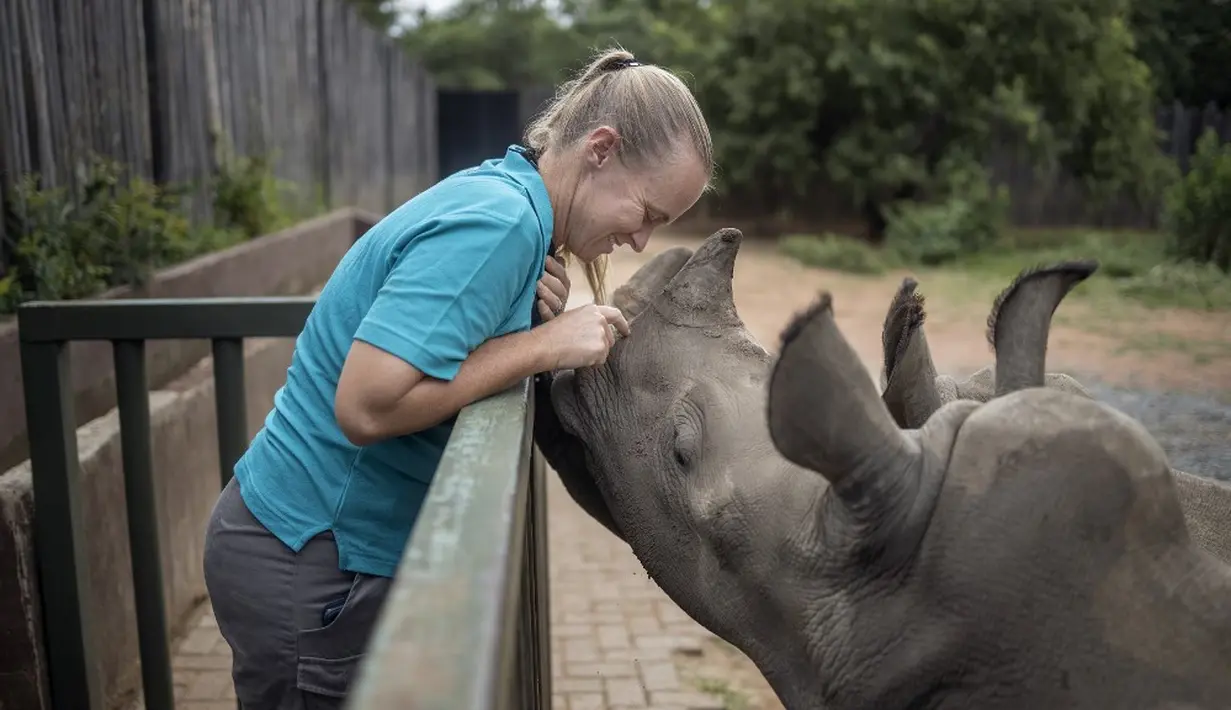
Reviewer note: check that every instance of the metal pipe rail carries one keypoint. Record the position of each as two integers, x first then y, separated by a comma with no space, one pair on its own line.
465,626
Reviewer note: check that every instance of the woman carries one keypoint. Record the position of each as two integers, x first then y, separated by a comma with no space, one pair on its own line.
428,312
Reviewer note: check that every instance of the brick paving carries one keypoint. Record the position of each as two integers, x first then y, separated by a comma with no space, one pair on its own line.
617,640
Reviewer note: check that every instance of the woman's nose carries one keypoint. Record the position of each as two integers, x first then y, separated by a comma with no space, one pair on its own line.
640,238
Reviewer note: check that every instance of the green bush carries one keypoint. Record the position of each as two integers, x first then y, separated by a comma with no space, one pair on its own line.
1197,210
248,198
834,251
969,220
1184,285
115,231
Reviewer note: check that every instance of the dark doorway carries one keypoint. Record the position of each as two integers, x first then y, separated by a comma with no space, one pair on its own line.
473,126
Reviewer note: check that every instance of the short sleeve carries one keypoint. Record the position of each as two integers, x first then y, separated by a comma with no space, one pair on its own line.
451,288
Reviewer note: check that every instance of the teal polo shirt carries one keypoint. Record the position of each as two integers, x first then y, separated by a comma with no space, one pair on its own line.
455,266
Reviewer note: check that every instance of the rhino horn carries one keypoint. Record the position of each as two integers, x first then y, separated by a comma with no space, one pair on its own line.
700,294
1021,318
910,375
824,412
639,291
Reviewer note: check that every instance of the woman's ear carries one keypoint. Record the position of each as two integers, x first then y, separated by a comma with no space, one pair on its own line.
602,145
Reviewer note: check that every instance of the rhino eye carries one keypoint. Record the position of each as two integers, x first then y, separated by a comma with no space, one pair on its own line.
686,442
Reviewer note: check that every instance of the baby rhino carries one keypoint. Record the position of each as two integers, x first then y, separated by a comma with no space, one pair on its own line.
1026,552
1022,553
913,391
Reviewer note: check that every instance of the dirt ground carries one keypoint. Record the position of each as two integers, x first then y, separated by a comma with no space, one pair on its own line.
1115,346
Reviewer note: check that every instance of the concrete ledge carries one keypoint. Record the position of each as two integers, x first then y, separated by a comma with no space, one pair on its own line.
188,480
284,263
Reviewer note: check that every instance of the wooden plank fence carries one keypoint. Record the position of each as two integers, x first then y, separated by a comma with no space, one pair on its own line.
170,87
1058,200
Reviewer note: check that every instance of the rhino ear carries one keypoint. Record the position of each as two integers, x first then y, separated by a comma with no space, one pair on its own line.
1018,325
824,413
910,375
635,295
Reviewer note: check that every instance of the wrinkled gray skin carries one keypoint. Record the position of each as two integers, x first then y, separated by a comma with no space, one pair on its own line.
1026,552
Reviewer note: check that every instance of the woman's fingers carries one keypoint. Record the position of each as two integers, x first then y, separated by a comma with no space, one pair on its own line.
545,312
614,318
546,295
555,267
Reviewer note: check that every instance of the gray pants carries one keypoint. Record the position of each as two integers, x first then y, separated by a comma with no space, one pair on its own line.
273,608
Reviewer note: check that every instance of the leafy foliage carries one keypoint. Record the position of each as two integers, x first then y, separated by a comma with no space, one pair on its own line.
969,220
1184,284
835,251
248,198
875,98
1184,42
118,228
1198,207
880,97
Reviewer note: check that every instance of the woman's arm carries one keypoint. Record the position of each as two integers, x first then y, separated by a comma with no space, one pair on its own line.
381,396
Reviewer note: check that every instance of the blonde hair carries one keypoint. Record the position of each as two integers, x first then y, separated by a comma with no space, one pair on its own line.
650,107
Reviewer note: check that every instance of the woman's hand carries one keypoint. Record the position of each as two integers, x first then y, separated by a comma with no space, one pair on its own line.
581,337
552,290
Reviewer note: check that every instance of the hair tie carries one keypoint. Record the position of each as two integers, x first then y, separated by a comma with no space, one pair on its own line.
624,64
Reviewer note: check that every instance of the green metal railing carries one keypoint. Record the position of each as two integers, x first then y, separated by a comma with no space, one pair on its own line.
477,557
465,626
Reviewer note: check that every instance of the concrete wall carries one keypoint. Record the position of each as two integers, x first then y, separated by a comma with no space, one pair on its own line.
185,450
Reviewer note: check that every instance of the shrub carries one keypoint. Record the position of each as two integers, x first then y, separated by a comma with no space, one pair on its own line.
114,231
1184,285
1197,209
834,251
967,221
248,198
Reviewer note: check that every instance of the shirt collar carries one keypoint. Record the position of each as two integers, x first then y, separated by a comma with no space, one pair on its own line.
527,175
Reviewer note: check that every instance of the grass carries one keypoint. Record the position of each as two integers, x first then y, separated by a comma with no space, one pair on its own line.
1200,351
731,699
1132,264
832,251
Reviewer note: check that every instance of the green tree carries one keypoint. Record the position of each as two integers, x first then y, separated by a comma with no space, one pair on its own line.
494,44
1187,44
878,95
381,14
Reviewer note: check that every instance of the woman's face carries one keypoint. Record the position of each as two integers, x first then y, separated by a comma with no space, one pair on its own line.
616,204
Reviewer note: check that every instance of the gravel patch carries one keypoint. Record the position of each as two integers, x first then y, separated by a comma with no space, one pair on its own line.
1194,430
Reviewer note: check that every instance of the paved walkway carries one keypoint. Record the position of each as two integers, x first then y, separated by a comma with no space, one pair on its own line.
617,640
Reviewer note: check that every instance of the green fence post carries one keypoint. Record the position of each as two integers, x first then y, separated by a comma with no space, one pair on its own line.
133,400
59,540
